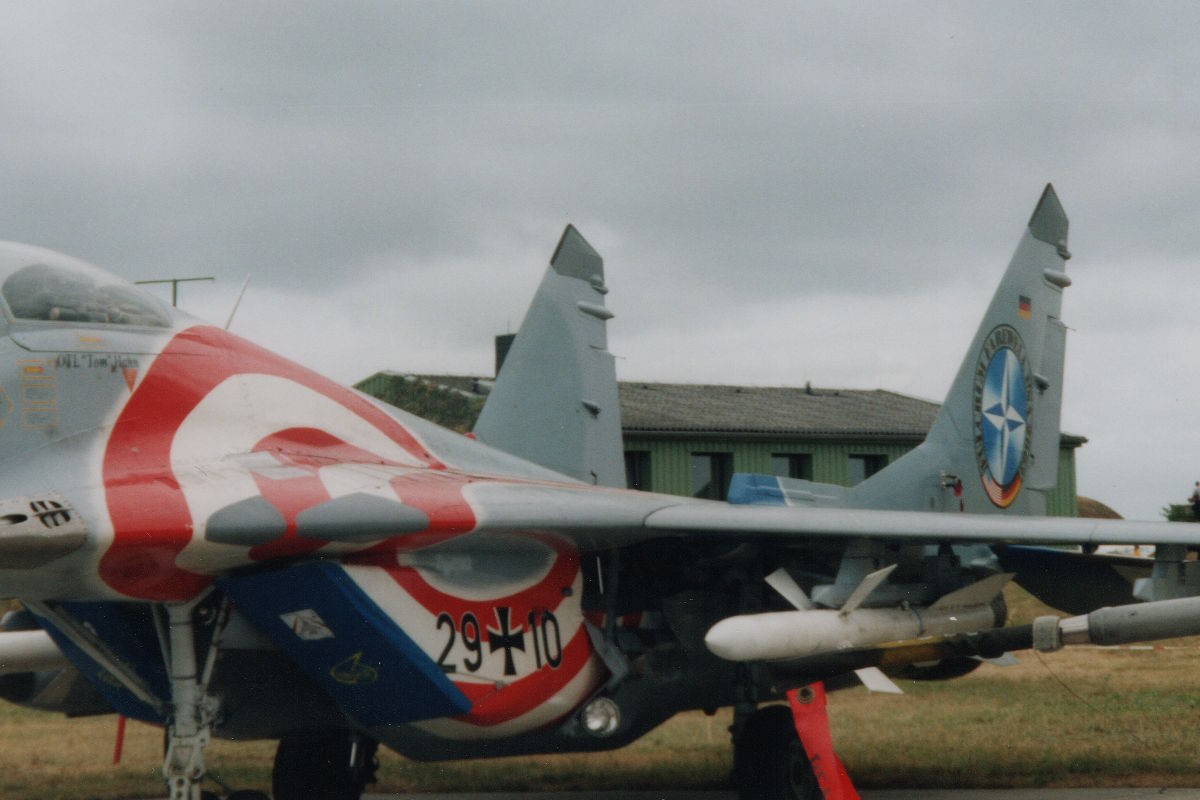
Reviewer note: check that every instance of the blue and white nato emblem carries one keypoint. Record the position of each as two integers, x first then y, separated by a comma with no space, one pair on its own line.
1003,395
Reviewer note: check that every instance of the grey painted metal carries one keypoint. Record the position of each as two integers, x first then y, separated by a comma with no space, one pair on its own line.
1048,222
1042,474
1023,317
359,517
555,399
249,522
774,522
37,530
1138,622
605,518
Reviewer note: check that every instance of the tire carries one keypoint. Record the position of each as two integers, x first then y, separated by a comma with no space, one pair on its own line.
247,794
769,763
316,766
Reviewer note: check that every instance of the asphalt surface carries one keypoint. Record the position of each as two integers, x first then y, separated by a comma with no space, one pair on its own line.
879,794
1140,793
901,794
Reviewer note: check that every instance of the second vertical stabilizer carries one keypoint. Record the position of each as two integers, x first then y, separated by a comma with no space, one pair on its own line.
555,399
994,445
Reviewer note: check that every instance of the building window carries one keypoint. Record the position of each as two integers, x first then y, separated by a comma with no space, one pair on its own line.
792,465
711,473
637,469
864,465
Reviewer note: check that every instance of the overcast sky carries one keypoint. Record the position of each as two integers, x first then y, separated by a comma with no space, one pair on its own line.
782,192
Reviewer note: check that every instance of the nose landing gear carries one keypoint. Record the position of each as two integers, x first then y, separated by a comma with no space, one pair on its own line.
323,765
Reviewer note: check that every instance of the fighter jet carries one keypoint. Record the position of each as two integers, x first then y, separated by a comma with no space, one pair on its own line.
206,536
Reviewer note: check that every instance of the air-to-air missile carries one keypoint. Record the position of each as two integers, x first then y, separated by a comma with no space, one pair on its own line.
962,623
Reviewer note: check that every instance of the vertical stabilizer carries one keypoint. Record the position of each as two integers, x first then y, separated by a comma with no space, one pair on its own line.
995,442
555,399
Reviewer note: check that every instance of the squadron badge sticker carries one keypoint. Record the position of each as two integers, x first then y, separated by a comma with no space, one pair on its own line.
1003,394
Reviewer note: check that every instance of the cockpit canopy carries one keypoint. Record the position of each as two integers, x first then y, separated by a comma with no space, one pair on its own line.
43,286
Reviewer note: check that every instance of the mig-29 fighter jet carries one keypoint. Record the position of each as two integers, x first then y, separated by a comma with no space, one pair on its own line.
206,536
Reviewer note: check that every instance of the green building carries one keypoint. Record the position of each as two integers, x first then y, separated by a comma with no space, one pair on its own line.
689,439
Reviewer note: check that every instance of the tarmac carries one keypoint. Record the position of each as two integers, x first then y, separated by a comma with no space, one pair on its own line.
891,794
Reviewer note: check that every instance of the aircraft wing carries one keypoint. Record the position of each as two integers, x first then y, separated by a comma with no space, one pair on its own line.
783,523
597,517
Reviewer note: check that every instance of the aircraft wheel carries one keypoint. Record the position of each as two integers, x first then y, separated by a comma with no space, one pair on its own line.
769,763
325,765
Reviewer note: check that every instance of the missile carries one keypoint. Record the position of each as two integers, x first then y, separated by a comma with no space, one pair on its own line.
1136,622
1126,624
787,635
29,651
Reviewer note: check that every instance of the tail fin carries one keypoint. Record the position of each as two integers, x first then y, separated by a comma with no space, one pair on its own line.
994,444
555,399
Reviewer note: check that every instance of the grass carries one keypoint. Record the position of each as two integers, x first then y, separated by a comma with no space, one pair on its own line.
1080,718
1083,717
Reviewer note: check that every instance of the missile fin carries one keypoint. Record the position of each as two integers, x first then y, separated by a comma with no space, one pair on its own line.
1003,660
976,594
786,585
869,584
875,681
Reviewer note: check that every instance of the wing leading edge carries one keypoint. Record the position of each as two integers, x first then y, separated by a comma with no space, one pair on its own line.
600,518
802,524
595,517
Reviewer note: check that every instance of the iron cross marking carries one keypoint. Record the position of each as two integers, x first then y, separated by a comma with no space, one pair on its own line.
504,638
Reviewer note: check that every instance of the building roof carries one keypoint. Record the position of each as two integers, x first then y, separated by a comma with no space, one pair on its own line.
688,408
691,409
464,384
1094,509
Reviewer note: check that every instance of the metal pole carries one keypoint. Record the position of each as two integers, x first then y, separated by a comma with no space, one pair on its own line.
174,285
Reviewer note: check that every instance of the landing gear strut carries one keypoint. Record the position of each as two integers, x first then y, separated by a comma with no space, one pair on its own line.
768,760
786,753
193,709
323,765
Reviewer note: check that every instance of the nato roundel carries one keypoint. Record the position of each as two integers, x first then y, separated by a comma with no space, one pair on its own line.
1002,404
